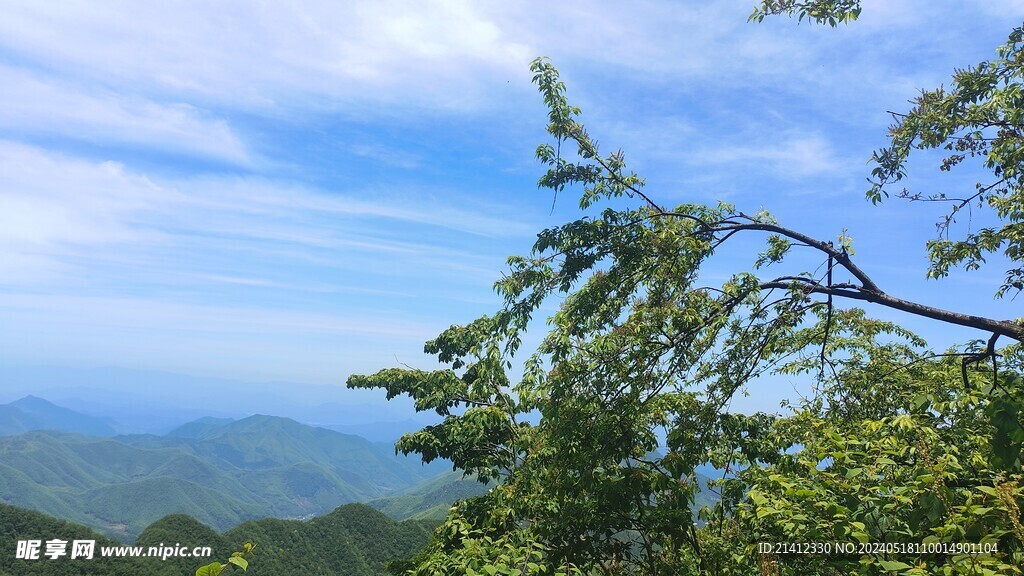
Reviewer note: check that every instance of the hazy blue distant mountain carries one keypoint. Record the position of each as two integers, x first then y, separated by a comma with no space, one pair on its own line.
153,402
387,432
197,428
261,443
250,468
33,413
14,421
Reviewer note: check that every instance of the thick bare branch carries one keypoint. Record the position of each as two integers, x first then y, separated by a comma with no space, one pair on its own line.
1008,328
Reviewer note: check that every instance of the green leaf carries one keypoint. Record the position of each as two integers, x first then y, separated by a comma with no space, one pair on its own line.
894,566
211,569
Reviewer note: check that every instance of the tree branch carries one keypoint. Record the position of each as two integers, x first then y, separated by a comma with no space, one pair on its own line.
1008,328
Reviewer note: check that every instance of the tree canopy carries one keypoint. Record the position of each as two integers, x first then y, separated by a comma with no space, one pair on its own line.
906,456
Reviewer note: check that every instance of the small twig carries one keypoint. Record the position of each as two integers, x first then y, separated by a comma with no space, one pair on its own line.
828,319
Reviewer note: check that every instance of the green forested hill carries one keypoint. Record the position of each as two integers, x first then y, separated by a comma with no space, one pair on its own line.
353,540
267,442
20,524
430,499
251,468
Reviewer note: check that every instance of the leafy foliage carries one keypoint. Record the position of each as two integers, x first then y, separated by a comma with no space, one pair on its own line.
906,459
830,12
981,116
632,385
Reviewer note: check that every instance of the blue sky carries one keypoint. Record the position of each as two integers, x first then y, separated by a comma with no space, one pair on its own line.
299,191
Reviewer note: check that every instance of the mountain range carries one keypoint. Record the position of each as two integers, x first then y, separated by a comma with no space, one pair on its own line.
153,402
220,471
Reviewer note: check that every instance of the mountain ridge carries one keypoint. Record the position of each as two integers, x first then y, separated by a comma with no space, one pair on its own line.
30,413
233,471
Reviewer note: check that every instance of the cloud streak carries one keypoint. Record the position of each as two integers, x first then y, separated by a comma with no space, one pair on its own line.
55,208
791,156
38,106
259,55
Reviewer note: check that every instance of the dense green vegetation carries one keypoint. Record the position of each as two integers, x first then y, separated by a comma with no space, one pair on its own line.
432,499
20,524
186,530
222,475
902,454
353,540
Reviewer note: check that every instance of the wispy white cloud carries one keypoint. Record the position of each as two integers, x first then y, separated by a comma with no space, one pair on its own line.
453,55
159,74
389,157
157,315
299,287
319,210
57,210
791,156
36,105
1010,8
265,54
99,260
50,198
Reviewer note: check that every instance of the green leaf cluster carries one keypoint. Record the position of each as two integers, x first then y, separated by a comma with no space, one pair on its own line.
979,118
912,459
831,12
238,559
